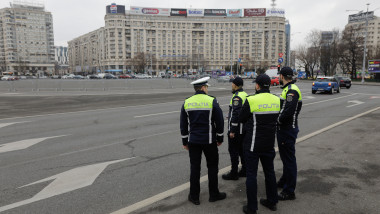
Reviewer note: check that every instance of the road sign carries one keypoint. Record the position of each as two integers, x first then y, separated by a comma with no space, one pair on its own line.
280,60
280,55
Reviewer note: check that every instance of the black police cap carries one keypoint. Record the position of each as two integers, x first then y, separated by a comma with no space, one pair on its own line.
238,81
263,80
287,71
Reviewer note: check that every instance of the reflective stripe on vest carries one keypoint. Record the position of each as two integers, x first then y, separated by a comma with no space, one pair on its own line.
242,94
199,102
293,87
264,103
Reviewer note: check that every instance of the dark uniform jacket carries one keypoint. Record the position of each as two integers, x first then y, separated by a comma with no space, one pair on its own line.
260,113
236,104
291,104
201,120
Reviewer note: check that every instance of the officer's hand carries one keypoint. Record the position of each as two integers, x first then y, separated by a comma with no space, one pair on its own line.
186,147
218,143
232,135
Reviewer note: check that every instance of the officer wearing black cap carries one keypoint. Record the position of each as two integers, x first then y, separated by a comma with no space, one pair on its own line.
202,126
235,131
287,131
260,113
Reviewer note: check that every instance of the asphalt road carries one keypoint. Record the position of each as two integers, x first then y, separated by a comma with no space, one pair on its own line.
102,153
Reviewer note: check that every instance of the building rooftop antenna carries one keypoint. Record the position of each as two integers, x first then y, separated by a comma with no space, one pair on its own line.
273,3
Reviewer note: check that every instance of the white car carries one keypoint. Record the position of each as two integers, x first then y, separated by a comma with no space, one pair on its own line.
6,77
142,76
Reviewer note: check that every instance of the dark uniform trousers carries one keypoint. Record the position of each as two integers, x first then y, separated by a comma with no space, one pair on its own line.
252,160
286,139
212,159
235,148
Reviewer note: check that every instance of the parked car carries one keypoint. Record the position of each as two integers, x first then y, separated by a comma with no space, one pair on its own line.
78,77
56,77
325,84
223,79
71,76
142,76
109,76
275,81
125,76
344,81
92,76
9,78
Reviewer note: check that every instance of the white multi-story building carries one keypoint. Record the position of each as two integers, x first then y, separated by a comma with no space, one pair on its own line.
26,39
373,35
181,39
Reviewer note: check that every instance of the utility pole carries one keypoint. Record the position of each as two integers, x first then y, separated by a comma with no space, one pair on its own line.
365,44
231,49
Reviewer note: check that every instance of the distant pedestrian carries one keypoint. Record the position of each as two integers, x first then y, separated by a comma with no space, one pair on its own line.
235,131
287,131
202,127
260,113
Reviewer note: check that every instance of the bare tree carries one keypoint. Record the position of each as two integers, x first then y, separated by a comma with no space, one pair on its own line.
352,48
142,60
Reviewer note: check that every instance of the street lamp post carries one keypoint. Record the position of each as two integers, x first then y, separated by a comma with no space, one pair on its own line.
365,44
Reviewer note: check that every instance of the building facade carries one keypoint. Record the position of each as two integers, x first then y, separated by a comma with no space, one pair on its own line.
373,35
181,39
61,56
26,39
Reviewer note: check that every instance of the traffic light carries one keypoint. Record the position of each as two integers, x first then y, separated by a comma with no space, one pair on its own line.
278,68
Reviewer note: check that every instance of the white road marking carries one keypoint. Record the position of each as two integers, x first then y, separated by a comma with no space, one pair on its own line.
23,144
357,102
328,100
148,115
65,182
186,186
375,97
8,124
83,150
309,97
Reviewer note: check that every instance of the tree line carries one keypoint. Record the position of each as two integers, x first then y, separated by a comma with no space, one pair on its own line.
342,50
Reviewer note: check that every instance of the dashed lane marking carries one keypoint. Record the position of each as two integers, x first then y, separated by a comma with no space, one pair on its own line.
2,125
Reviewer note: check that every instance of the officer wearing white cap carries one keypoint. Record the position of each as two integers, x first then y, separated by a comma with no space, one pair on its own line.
287,131
260,113
202,127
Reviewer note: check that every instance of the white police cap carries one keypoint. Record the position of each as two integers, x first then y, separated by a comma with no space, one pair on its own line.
200,82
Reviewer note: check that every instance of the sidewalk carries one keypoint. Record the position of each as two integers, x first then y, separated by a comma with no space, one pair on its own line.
338,172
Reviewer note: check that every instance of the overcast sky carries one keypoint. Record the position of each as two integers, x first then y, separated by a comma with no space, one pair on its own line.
73,18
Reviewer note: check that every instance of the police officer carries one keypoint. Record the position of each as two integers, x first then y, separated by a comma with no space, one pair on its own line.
287,131
202,127
235,131
260,112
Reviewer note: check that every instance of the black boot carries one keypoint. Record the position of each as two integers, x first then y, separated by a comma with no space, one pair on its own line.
268,204
230,176
220,196
283,196
248,211
194,201
242,173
